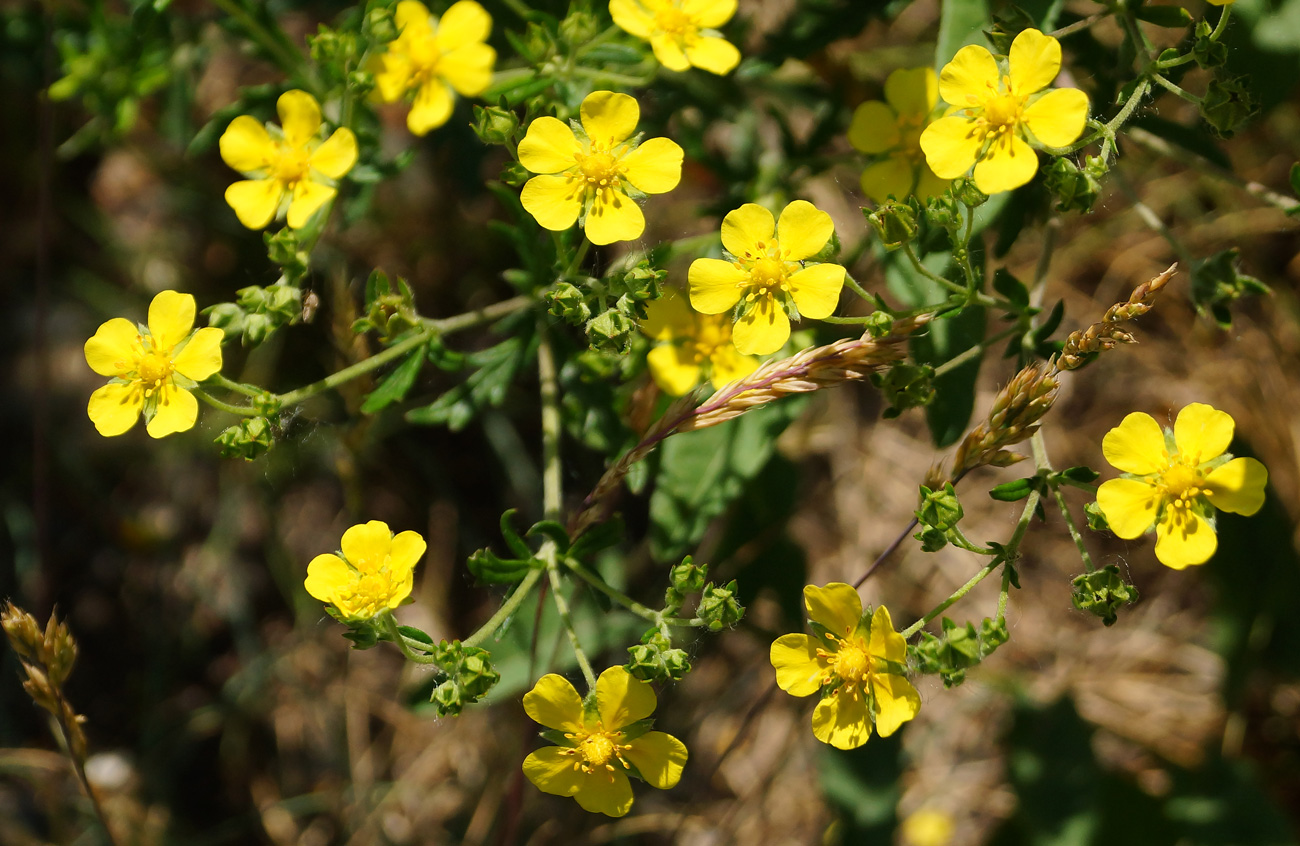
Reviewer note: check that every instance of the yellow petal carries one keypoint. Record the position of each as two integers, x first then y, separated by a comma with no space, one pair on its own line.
712,54
950,145
655,167
674,369
836,606
115,408
1129,506
1202,432
555,201
327,575
709,14
968,77
431,109
632,18
337,155
743,229
555,704
1058,117
1184,539
201,356
927,184
715,284
246,145
816,289
468,69
885,642
608,117
763,329
842,720
803,230
299,117
605,793
669,52
1238,486
552,771
1007,165
392,75
255,201
659,757
400,588
171,316
622,699
464,22
549,147
666,318
896,702
892,177
308,197
614,216
729,365
413,19
407,550
177,410
1136,445
874,128
114,348
799,670
1035,60
367,545
912,91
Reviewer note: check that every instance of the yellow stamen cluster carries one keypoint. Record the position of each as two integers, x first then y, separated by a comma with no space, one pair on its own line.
769,271
594,750
154,369
850,662
598,170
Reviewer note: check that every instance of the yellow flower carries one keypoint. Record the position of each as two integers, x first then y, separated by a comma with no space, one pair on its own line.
768,274
856,662
682,33
693,346
991,112
590,177
374,574
928,827
1175,480
435,57
153,368
290,163
892,130
601,742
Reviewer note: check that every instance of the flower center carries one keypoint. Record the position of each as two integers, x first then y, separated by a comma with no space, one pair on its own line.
369,593
597,749
768,275
291,165
599,168
153,369
852,663
1002,111
673,21
1181,484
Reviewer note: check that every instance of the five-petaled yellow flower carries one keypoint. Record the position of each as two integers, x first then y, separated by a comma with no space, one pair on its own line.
374,574
589,178
991,111
857,662
693,346
1175,480
285,164
153,368
768,274
682,33
601,742
434,58
891,130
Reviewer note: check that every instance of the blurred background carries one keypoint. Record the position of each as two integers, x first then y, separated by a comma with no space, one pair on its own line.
224,707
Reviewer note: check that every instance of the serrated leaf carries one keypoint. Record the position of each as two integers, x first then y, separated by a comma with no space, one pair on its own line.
395,385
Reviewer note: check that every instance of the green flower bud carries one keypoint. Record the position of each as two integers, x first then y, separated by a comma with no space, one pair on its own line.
1207,52
1073,188
718,606
494,124
944,212
905,386
688,577
1217,283
470,676
249,439
969,195
894,222
1227,105
654,659
939,509
566,302
1102,592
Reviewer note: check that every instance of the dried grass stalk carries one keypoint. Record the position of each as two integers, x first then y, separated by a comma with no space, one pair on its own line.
1083,344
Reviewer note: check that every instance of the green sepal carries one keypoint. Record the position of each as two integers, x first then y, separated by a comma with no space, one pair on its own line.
552,530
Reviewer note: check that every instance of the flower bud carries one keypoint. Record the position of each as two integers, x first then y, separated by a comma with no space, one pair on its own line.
248,439
1102,592
494,124
895,223
718,606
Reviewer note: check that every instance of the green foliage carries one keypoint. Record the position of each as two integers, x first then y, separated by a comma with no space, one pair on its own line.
655,660
257,312
248,439
1102,592
494,371
958,649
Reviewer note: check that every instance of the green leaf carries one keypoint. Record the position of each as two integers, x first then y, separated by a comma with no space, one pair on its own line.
961,22
489,569
516,543
1012,491
416,634
598,537
1081,474
1173,17
1011,288
486,386
553,530
395,385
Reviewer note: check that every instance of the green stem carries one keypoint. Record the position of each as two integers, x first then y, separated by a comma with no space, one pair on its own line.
507,609
241,410
610,76
404,643
238,387
547,554
1178,62
1070,29
588,46
362,367
930,274
647,614
578,257
552,491
847,321
1222,24
1169,86
967,354
858,289
1044,465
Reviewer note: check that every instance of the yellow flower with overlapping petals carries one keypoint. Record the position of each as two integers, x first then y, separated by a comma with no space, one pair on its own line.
600,742
993,113
1174,481
692,346
856,662
592,176
432,59
374,572
153,368
891,130
288,163
682,33
769,274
